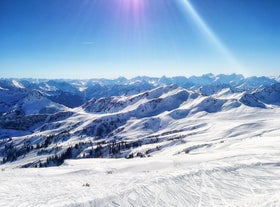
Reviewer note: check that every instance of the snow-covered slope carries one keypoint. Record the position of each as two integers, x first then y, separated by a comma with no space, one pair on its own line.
181,141
36,103
230,158
117,126
74,93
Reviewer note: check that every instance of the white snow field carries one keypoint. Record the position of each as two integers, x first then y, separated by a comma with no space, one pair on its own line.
231,159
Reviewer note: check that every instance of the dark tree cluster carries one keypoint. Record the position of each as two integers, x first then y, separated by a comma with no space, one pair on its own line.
58,159
11,153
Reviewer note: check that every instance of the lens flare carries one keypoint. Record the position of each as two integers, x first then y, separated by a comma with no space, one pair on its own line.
134,6
210,35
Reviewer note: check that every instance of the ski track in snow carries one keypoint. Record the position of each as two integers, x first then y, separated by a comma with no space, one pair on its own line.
218,170
194,180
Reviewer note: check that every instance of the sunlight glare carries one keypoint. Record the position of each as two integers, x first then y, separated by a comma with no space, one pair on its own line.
210,35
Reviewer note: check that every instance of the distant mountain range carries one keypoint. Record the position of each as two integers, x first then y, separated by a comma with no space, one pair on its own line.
43,122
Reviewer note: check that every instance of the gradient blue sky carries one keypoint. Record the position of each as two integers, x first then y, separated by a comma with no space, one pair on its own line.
111,38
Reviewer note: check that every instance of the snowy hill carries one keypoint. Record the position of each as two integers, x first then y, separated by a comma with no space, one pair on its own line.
121,125
36,103
194,138
74,93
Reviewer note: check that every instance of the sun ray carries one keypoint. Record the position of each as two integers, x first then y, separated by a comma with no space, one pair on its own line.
210,35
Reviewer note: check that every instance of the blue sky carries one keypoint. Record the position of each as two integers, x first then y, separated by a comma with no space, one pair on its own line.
112,38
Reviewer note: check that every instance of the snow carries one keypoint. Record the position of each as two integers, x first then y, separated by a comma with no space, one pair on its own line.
229,158
215,147
36,103
17,84
219,179
4,89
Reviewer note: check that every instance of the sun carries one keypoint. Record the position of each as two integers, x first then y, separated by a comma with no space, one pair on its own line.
133,5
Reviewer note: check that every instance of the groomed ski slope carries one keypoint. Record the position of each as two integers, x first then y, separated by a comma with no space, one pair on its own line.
235,161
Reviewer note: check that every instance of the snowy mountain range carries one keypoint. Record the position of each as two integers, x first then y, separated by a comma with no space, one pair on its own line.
45,122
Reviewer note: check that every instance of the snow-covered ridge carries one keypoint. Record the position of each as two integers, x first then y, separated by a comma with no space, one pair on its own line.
214,142
74,93
134,123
